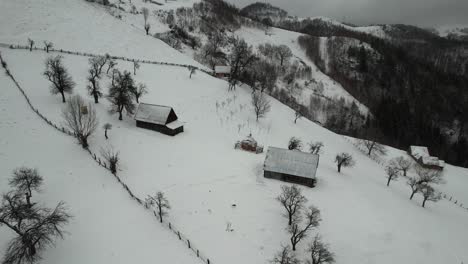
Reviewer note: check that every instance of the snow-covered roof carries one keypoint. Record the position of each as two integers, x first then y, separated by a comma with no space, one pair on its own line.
419,151
291,162
422,154
222,69
156,114
175,124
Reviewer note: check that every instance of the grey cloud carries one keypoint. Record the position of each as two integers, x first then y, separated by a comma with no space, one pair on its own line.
416,12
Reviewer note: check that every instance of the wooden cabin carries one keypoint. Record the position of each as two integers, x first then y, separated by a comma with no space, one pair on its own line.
158,118
291,166
222,71
421,155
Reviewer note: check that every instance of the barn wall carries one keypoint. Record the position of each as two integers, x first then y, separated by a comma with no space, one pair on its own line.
160,128
289,178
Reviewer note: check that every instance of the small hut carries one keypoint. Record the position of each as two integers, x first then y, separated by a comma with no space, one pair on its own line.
421,155
222,71
291,166
158,118
249,144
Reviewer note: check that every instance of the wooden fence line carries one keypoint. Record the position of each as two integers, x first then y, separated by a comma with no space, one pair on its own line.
103,164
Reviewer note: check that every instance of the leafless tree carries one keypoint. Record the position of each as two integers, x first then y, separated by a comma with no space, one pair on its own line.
298,231
261,104
98,63
145,13
192,70
392,173
121,94
139,91
295,144
25,181
160,202
401,164
211,53
36,227
58,75
315,147
297,114
240,58
319,252
373,146
292,200
112,157
424,177
31,44
429,194
284,53
106,127
136,66
48,45
94,74
110,65
344,160
285,256
80,118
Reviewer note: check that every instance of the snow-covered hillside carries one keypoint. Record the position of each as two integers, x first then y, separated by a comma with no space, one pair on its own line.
199,170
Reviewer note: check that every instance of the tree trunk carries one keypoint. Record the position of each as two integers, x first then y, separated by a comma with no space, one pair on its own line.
105,133
412,194
404,173
96,98
63,97
388,182
290,219
339,167
424,202
120,115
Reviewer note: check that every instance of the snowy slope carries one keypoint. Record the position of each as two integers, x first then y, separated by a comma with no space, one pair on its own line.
458,30
332,89
363,220
107,226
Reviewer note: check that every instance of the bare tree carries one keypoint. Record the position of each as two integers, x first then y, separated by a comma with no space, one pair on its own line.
315,147
211,52
112,157
192,70
414,183
297,114
94,74
31,44
285,256
58,75
298,232
80,118
292,200
423,177
145,13
48,45
106,127
110,65
240,58
136,66
392,173
121,94
429,194
36,227
161,203
139,91
401,164
344,160
284,53
25,181
261,104
373,146
98,63
319,252
295,144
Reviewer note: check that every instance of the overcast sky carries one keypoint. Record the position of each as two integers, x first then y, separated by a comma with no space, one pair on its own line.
425,13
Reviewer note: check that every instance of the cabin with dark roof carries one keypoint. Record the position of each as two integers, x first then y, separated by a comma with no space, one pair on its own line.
291,166
158,118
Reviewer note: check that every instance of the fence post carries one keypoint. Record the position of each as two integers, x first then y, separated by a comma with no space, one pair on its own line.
178,233
188,243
